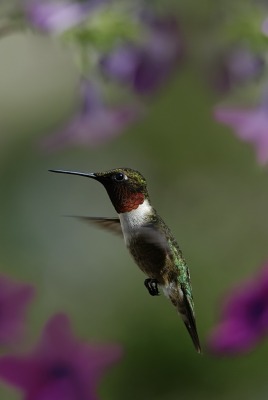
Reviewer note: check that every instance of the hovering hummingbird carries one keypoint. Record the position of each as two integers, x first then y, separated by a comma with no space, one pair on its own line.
148,239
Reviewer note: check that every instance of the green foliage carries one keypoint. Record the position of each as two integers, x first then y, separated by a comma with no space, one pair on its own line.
245,28
102,31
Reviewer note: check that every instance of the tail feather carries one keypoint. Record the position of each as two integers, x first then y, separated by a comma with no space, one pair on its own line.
191,327
183,302
189,321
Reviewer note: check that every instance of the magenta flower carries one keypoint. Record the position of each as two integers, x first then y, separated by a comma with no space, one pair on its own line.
244,317
250,125
56,16
60,367
145,66
94,122
14,300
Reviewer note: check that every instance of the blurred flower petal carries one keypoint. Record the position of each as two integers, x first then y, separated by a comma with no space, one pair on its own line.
236,67
145,66
231,338
94,123
244,317
56,16
14,300
250,125
60,367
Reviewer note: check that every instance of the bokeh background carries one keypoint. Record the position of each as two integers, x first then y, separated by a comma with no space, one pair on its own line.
202,180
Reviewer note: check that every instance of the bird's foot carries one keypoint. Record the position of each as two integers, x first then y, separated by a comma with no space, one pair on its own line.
152,286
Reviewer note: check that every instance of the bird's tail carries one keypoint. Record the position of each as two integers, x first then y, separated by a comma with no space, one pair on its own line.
188,318
184,307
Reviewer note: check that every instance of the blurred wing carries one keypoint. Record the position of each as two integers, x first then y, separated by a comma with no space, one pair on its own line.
152,244
110,224
153,236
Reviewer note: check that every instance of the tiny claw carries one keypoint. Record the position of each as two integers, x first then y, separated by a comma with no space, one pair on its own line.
152,286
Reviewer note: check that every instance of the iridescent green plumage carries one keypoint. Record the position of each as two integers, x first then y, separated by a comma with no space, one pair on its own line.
158,255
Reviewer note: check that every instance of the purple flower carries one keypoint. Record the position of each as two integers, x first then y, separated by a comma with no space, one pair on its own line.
244,317
250,125
56,16
60,367
145,66
236,67
94,122
14,300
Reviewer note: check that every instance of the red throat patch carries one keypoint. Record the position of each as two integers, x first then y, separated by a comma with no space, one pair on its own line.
132,202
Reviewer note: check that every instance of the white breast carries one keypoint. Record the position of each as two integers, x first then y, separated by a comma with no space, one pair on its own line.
134,219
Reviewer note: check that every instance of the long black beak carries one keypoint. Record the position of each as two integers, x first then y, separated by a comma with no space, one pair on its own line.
61,171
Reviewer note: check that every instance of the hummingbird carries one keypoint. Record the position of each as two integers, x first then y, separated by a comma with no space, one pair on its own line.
148,239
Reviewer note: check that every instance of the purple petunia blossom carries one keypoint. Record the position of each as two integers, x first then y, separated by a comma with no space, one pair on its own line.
14,300
60,367
236,67
244,317
56,16
94,122
146,65
250,125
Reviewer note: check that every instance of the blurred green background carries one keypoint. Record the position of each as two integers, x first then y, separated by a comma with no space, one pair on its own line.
202,180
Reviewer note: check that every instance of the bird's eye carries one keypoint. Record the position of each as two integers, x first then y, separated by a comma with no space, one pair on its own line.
119,177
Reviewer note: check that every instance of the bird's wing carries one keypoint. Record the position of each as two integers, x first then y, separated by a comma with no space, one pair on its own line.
153,236
110,224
